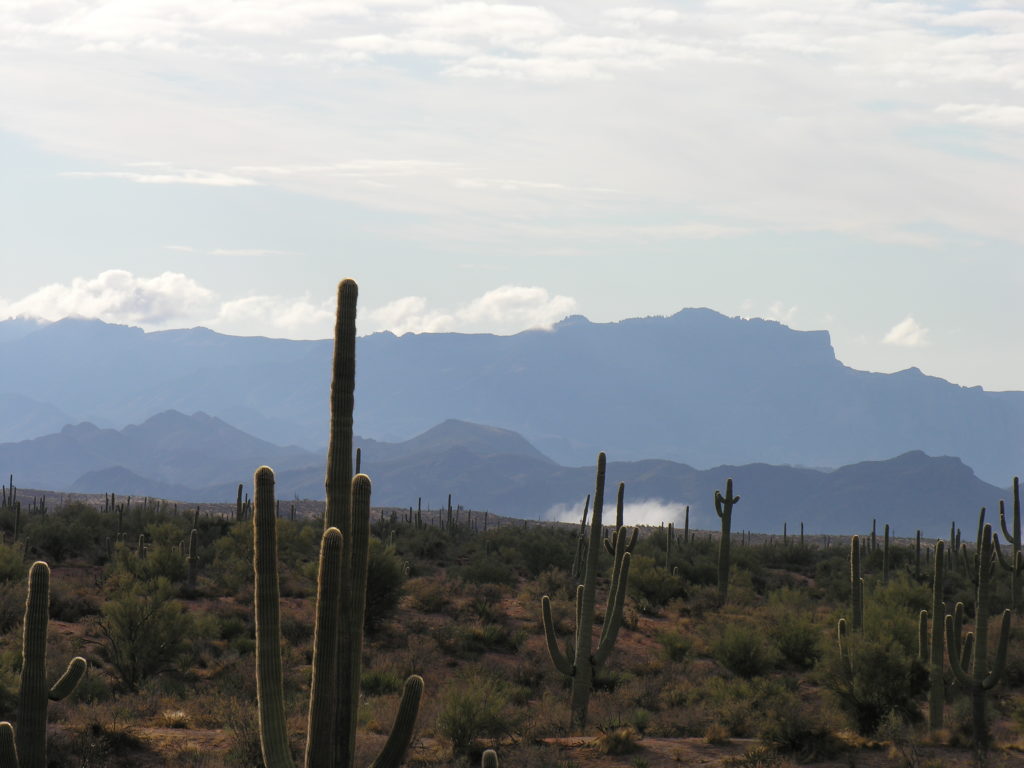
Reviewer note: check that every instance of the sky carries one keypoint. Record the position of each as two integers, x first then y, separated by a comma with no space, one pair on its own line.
855,166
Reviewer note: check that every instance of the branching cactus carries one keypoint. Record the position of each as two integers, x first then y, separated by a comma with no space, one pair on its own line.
1015,564
27,748
586,661
979,677
327,703
723,506
931,652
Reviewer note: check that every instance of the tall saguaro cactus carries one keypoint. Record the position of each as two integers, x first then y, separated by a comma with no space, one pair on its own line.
27,748
327,703
723,507
978,678
931,653
341,592
586,661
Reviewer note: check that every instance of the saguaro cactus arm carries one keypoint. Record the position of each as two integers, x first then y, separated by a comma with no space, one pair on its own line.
395,747
558,658
69,680
8,750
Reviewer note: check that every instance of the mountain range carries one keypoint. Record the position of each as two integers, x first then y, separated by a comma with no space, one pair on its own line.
697,387
201,458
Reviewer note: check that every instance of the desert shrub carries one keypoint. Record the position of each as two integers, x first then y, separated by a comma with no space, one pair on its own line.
427,543
674,645
383,584
796,729
617,741
486,569
885,678
741,648
650,584
469,640
428,595
12,605
384,680
12,564
67,604
792,628
144,631
740,705
474,706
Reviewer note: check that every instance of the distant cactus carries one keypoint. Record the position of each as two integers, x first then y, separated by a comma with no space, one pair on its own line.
193,559
932,652
723,506
856,585
885,556
586,661
1015,564
978,678
30,739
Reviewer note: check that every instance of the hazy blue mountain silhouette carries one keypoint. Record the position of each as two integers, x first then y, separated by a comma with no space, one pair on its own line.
200,458
696,387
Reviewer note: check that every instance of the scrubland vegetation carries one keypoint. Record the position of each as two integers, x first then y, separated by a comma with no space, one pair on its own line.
760,681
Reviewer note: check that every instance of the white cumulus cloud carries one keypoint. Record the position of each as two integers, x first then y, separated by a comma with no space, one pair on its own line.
507,309
907,333
118,296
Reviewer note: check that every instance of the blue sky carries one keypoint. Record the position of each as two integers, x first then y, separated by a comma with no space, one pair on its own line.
492,166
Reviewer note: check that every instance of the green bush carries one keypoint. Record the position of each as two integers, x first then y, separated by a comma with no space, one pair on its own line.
385,579
474,706
650,584
741,648
144,631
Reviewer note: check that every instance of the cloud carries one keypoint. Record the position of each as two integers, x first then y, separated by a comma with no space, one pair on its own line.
877,120
907,333
188,176
293,318
995,115
172,299
118,296
642,512
508,309
782,313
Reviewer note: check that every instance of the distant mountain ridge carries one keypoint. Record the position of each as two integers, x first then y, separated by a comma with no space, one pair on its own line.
200,458
696,387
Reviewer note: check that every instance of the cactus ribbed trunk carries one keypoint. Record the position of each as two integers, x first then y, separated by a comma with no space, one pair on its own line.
936,683
269,676
31,733
856,585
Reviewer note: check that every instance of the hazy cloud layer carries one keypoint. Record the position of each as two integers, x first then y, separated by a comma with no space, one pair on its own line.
641,512
892,121
175,300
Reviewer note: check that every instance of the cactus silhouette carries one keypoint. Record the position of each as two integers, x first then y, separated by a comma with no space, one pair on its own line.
1015,565
978,678
27,747
723,507
586,661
